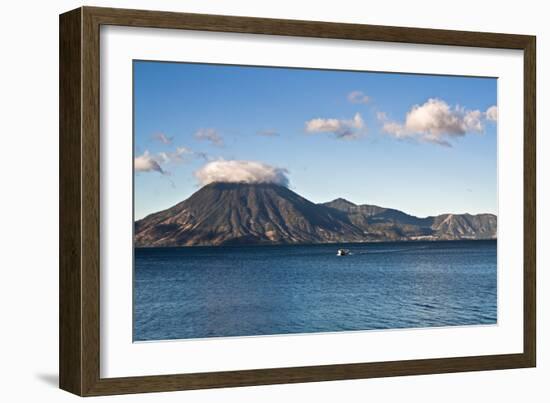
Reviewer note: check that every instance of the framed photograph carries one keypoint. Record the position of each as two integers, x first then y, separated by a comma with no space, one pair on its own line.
248,201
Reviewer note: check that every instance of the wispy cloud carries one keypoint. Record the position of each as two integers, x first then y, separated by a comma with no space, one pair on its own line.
235,171
163,138
345,129
178,155
267,133
358,97
435,122
211,135
146,163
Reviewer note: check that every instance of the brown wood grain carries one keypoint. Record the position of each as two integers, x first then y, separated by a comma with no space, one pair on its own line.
80,201
90,202
70,274
530,202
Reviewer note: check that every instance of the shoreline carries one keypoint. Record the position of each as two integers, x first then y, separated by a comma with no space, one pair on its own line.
317,244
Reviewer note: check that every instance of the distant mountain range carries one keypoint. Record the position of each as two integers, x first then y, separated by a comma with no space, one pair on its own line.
239,213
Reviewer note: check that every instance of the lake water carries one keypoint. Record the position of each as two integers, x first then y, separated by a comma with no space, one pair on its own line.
202,292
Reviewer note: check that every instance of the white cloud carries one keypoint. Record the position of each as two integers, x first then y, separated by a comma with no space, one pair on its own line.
241,172
183,150
492,113
210,135
146,163
473,121
436,117
358,97
343,129
163,138
435,122
153,163
175,156
395,129
164,157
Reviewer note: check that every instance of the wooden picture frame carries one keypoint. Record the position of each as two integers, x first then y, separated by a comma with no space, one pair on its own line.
79,348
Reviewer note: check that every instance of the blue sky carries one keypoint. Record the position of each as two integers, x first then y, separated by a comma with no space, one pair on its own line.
422,144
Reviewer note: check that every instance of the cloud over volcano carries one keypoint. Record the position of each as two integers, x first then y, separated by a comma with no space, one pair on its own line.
235,171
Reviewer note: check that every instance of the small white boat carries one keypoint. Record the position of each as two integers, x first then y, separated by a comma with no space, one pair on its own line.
342,252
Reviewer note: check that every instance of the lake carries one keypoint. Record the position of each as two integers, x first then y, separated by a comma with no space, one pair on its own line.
199,292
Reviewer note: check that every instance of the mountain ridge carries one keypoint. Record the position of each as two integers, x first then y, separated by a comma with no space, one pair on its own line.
239,213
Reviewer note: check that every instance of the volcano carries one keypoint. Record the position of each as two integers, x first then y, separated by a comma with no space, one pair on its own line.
242,214
239,213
